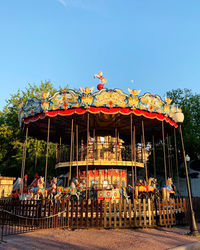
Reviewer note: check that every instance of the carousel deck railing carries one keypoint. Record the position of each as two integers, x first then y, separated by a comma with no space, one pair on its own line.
23,216
107,153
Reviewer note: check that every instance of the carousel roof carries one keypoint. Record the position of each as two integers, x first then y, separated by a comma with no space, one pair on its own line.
107,101
109,108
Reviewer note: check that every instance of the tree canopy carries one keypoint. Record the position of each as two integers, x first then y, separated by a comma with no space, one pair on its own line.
190,105
12,138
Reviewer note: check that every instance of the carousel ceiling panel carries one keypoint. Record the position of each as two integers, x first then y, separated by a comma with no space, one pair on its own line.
60,127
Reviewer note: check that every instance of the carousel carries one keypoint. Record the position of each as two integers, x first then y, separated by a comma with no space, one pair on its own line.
103,139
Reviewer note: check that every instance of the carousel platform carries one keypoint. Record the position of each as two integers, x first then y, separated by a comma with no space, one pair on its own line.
99,163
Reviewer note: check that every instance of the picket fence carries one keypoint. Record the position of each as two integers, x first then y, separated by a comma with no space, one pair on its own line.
23,216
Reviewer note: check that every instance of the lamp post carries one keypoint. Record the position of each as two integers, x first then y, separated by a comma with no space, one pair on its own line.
193,225
179,118
187,157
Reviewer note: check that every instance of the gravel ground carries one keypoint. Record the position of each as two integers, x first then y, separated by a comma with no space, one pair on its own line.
153,239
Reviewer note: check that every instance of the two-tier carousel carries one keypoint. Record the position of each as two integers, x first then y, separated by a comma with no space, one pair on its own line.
102,137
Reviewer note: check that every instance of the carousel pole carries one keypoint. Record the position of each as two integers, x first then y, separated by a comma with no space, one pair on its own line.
154,158
73,146
23,162
56,152
176,159
94,154
164,153
82,149
94,140
60,149
133,182
116,144
71,152
143,139
88,124
36,156
134,148
193,226
168,156
141,150
47,154
77,151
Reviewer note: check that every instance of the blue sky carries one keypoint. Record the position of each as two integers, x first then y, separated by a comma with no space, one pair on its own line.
156,43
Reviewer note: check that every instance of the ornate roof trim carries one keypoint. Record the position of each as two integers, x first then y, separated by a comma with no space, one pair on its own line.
104,98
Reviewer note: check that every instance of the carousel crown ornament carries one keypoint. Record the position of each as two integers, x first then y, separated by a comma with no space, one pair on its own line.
102,79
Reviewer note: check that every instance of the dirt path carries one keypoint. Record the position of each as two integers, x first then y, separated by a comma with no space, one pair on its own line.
151,239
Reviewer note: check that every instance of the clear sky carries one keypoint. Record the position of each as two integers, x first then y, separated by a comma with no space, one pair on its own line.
156,43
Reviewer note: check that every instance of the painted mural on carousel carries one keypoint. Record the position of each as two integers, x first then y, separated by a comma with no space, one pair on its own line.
99,101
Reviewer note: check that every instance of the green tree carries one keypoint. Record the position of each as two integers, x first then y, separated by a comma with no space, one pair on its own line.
190,105
12,138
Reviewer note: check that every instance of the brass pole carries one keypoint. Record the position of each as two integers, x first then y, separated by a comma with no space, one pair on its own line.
132,149
176,159
168,156
143,139
76,150
141,150
71,151
23,162
56,152
60,150
154,157
94,155
47,153
36,156
88,124
116,144
193,226
93,145
164,153
73,146
82,149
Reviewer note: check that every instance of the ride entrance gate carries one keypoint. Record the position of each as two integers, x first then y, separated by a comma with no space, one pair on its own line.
24,216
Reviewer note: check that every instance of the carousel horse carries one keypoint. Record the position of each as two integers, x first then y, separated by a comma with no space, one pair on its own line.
124,194
39,191
52,190
168,191
143,190
75,190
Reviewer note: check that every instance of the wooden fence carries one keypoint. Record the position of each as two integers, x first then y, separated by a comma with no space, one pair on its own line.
22,216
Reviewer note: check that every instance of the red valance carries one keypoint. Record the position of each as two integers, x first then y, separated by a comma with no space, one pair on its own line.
95,110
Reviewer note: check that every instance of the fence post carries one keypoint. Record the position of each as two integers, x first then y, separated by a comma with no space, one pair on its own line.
156,210
149,212
2,226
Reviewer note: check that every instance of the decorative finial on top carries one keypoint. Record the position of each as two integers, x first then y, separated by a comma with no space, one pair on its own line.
134,92
102,79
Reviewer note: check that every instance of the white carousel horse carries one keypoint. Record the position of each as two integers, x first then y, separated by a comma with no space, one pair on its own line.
39,191
52,190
